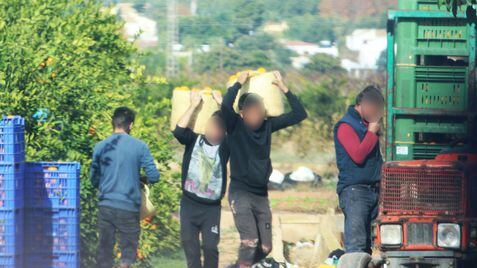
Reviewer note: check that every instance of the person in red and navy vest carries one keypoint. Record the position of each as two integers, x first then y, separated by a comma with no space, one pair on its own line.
359,162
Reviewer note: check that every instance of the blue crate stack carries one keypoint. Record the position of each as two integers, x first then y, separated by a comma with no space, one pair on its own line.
52,213
39,206
12,157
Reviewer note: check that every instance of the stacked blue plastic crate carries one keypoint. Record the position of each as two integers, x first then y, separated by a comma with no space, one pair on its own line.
12,157
52,214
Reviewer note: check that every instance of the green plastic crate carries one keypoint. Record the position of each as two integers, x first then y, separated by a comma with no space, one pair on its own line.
431,95
416,151
423,137
433,87
424,5
431,36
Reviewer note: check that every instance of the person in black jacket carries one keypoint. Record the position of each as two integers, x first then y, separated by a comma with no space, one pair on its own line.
249,137
204,172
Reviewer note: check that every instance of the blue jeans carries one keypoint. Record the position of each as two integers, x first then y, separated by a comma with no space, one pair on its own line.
360,207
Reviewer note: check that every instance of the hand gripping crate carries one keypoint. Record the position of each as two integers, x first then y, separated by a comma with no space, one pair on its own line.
52,185
12,139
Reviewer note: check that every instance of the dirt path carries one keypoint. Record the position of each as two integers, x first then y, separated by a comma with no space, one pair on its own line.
299,205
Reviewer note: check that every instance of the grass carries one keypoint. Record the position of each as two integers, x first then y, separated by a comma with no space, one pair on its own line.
310,200
306,204
175,260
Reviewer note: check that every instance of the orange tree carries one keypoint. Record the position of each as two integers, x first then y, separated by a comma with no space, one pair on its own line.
64,66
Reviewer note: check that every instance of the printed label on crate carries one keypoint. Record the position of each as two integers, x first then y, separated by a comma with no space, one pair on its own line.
402,150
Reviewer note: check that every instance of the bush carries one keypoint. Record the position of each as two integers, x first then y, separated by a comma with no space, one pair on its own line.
325,102
324,63
64,67
248,52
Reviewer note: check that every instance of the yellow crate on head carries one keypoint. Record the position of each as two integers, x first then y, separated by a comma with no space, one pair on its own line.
261,84
326,266
181,102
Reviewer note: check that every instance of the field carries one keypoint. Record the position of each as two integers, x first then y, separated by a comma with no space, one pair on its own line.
291,202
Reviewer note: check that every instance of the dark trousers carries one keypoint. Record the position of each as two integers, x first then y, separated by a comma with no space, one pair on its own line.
360,207
126,224
198,219
253,219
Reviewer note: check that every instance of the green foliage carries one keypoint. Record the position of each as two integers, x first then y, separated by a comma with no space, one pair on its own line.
250,51
311,28
154,61
202,29
248,15
226,20
324,63
454,5
160,234
67,56
279,9
325,101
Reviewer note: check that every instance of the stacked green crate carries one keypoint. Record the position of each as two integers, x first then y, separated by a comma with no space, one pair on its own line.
424,5
433,92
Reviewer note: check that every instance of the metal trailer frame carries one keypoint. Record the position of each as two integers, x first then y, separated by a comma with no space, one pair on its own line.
393,18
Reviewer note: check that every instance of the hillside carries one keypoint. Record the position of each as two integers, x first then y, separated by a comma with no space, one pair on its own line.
355,9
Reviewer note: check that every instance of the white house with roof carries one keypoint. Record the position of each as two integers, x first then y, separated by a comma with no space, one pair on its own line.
368,44
137,27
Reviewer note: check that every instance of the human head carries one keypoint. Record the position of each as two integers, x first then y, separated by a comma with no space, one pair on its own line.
215,128
370,104
252,110
123,119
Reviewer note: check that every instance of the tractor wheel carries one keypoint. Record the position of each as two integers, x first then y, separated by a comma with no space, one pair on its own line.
357,259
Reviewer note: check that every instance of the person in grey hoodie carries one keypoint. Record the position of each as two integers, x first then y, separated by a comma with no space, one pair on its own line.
116,171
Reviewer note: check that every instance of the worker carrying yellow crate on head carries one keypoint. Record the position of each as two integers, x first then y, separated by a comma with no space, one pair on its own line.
201,129
249,134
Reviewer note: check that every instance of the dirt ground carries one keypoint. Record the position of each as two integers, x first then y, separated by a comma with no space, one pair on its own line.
299,202
291,202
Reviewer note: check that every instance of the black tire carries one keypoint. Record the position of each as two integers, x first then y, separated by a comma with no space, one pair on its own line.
354,260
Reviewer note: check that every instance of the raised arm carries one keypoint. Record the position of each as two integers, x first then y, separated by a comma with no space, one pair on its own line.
195,101
182,133
147,163
297,113
358,150
227,107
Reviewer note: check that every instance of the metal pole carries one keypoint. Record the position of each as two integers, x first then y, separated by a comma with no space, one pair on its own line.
172,38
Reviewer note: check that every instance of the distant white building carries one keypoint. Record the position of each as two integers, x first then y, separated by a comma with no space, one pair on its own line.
310,49
137,27
306,50
368,44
